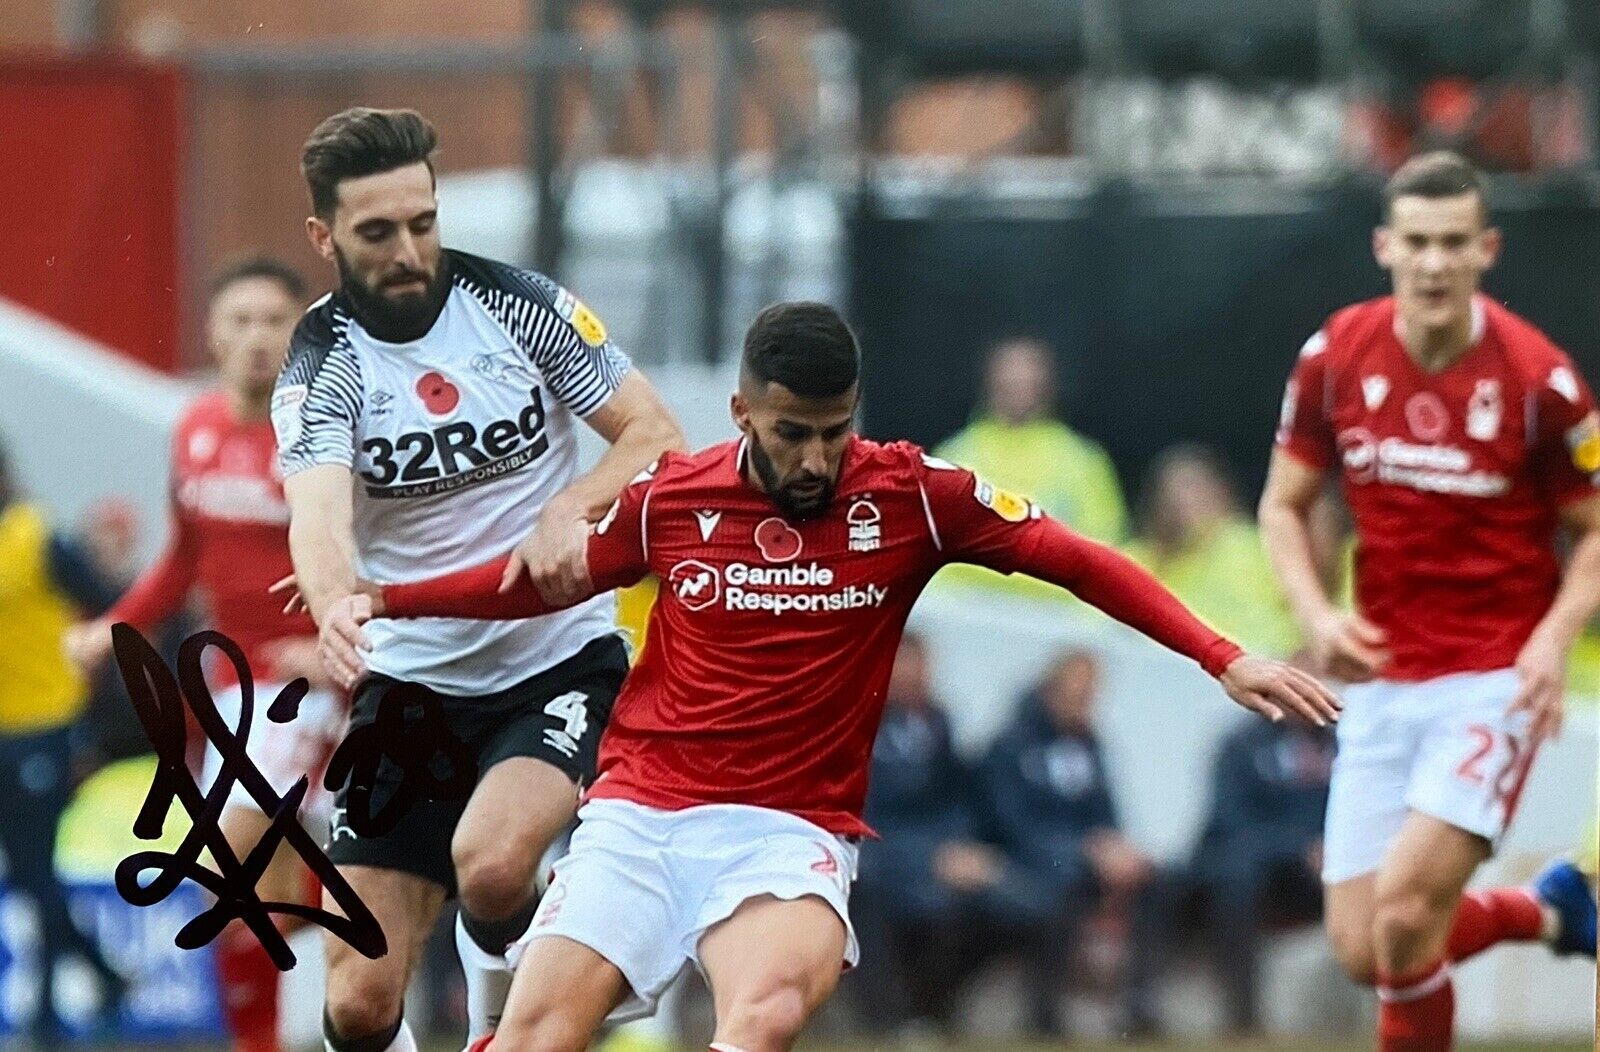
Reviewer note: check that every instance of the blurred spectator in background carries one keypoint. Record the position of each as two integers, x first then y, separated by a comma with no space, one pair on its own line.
919,887
1047,796
1259,859
46,578
1195,538
111,531
1017,442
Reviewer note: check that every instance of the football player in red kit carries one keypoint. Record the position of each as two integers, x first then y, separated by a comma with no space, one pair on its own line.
229,538
1463,438
723,825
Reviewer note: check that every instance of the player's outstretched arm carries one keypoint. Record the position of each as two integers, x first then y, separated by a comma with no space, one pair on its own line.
321,539
1342,643
611,561
638,428
1123,589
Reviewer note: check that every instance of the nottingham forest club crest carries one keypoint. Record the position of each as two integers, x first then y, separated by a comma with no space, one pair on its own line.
866,533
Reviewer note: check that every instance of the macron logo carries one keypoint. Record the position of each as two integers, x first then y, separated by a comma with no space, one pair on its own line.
708,522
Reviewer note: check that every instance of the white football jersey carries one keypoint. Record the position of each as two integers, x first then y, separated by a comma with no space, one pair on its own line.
456,441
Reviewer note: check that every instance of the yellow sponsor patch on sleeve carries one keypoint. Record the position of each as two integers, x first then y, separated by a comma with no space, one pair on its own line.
1008,506
588,325
1584,441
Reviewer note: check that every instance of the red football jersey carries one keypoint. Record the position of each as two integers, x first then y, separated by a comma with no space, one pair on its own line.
1454,478
763,674
229,535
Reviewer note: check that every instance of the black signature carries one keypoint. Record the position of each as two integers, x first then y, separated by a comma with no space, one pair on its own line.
160,706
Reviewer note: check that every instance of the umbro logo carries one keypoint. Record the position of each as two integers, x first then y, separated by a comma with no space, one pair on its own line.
708,523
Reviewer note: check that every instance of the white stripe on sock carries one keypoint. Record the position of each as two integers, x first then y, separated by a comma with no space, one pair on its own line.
1417,991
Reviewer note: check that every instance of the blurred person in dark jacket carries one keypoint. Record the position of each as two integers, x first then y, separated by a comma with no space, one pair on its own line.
921,887
46,580
1049,803
1260,857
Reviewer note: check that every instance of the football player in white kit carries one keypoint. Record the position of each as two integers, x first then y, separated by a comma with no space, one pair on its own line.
427,420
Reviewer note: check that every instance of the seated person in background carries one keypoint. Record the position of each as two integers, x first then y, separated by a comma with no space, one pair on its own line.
922,883
1260,856
1046,793
1017,442
1196,539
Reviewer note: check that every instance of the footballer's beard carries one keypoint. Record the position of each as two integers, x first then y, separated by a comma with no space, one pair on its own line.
395,319
792,506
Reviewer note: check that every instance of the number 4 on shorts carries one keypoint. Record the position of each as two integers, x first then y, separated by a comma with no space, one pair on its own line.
573,708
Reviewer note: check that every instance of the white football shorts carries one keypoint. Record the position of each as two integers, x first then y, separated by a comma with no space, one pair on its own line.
1445,747
284,752
640,886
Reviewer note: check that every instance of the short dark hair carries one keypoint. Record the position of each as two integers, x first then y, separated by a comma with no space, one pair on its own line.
362,141
806,347
1434,175
260,267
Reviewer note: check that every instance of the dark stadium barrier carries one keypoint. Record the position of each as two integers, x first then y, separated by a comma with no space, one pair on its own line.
1175,314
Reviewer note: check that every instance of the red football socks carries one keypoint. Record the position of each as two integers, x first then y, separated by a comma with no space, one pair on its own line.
249,990
1416,1013
1491,916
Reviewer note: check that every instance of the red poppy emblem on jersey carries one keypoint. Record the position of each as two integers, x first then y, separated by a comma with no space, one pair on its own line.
1426,415
779,542
439,396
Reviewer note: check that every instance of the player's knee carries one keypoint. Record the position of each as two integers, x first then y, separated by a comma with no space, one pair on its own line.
360,1007
493,883
773,1017
1405,917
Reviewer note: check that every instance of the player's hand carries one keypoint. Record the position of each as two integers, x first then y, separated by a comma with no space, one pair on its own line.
1542,664
296,602
1275,689
291,584
1348,647
555,556
297,657
340,641
88,644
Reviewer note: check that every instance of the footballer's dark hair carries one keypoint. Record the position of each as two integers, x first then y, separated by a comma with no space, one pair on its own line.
362,141
1436,175
265,267
806,347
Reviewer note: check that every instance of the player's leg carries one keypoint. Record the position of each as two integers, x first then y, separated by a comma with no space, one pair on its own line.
770,966
1347,916
518,808
607,937
365,998
1414,902
249,978
563,991
532,757
284,753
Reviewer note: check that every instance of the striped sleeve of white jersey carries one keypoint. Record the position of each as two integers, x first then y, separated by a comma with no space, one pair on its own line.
318,398
563,338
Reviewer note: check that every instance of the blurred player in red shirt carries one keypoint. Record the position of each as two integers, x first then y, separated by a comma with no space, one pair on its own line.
723,825
229,537
1463,438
